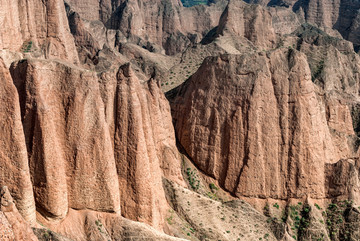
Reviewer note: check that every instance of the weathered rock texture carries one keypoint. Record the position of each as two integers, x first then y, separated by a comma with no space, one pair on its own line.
274,124
14,168
343,16
250,121
156,25
37,27
92,142
249,21
95,9
335,70
12,225
82,225
143,151
68,143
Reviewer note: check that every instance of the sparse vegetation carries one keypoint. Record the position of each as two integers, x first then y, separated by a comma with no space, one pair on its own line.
213,187
317,70
99,225
193,182
27,47
335,220
46,234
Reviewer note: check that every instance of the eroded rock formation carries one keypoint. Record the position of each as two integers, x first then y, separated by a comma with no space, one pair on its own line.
37,27
249,21
273,121
12,225
95,143
14,169
157,25
250,120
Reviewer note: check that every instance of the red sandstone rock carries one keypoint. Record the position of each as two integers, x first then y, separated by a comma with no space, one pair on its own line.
252,22
94,143
14,168
36,27
144,144
160,24
70,151
15,225
250,121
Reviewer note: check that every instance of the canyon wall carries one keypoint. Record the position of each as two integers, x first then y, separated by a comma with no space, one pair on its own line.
38,27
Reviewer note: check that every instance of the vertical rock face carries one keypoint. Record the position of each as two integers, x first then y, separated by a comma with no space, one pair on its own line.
144,145
252,22
100,10
14,169
334,67
342,16
249,121
12,224
68,143
157,25
101,143
38,27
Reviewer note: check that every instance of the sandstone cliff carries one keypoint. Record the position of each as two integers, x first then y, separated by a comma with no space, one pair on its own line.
37,27
92,143
251,22
249,122
12,225
341,16
271,118
156,25
14,169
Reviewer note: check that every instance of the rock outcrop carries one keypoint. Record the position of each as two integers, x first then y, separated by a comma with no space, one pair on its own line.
82,225
67,138
101,143
248,21
144,144
157,25
272,118
38,28
341,16
14,168
12,225
249,122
